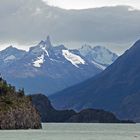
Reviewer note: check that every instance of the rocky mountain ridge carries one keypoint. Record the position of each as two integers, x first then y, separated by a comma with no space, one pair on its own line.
116,89
45,65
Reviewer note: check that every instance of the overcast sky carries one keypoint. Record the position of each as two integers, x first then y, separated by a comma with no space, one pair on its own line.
26,22
81,4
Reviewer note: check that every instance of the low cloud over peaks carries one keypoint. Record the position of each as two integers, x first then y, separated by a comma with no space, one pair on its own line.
27,21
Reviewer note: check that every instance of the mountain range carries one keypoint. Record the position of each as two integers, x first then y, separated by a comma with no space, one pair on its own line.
47,69
98,55
116,89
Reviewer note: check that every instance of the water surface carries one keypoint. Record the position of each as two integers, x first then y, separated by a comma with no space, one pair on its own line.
76,132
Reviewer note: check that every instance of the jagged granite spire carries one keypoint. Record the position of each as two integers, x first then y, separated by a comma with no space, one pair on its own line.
48,41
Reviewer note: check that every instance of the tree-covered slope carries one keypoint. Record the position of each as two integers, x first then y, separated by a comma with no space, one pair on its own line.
16,109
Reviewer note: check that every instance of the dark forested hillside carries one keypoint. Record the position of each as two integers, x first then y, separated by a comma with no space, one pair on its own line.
50,114
16,109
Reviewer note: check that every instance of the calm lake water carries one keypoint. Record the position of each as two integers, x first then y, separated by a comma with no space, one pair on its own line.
76,132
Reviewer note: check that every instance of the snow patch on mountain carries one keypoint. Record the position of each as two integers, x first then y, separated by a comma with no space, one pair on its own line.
74,59
11,54
99,65
40,60
104,56
45,50
9,58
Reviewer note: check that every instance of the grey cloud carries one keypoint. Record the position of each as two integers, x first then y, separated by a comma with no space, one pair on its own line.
26,21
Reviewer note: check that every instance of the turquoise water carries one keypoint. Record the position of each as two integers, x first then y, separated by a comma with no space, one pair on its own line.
76,132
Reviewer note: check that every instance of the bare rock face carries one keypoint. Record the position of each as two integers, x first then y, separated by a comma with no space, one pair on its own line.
16,109
20,118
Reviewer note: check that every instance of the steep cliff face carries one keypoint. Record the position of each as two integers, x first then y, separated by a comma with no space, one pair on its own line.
16,109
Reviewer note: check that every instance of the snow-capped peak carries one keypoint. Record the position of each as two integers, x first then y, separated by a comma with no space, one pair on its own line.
104,56
98,54
74,59
48,41
45,44
42,47
85,49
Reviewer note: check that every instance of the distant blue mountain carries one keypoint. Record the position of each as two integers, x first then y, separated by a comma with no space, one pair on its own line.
98,55
46,68
116,89
11,54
